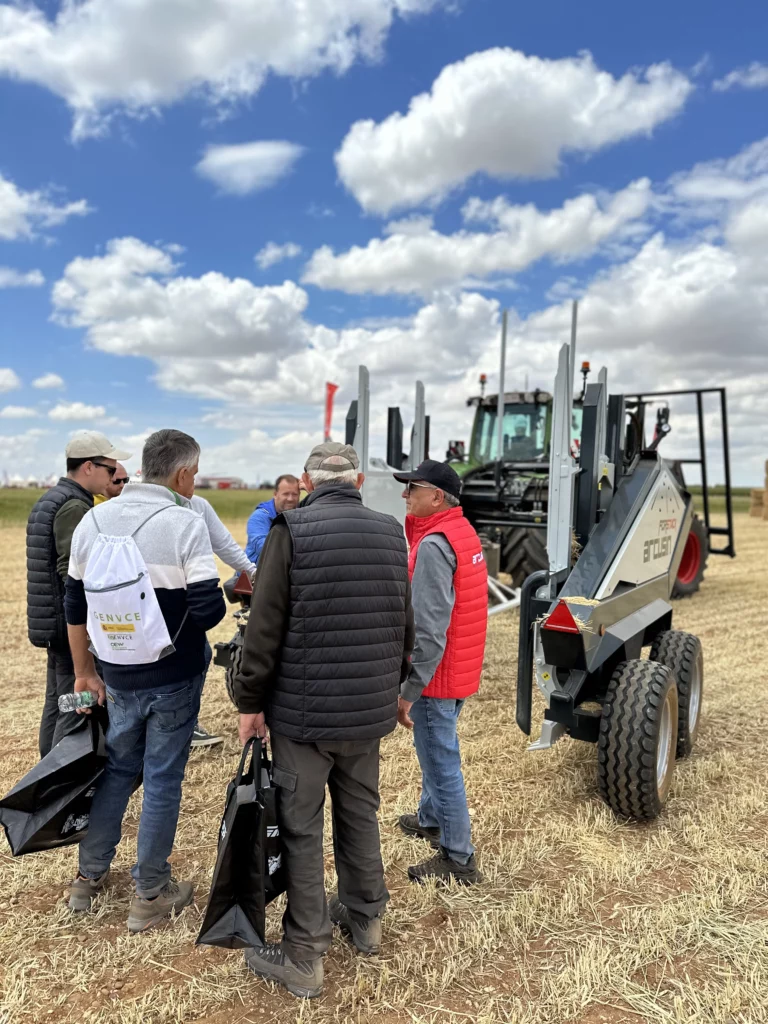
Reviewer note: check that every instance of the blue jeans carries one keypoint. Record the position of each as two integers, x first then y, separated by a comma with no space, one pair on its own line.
149,729
443,801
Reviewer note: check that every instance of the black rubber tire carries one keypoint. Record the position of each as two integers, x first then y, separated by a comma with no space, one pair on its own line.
233,668
523,552
692,586
630,730
682,654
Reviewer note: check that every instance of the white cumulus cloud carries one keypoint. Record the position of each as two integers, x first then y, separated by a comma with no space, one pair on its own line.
17,412
48,380
76,411
10,278
416,258
133,301
506,114
23,213
9,380
753,76
248,166
103,56
273,253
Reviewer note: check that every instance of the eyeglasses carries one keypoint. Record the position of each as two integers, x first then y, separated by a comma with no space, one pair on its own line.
416,483
119,480
110,469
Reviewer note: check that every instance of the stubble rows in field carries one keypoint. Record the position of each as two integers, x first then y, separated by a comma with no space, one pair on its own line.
582,918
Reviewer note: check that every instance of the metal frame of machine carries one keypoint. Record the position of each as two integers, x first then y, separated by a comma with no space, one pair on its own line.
583,626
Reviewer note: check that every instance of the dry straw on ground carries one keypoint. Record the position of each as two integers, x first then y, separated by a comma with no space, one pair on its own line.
582,918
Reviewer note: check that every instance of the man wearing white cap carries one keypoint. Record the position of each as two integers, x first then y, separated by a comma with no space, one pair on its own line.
91,464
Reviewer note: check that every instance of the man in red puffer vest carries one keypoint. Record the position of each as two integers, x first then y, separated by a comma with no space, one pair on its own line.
449,584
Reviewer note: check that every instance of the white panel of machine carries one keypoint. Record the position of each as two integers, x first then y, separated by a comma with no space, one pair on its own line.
382,492
650,544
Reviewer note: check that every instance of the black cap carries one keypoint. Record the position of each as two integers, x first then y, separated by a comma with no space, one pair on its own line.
440,474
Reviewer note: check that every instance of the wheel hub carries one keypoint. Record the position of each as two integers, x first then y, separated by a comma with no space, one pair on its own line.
664,747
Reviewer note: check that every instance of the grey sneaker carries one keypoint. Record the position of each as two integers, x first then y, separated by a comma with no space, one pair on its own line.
147,913
366,938
302,978
202,738
82,891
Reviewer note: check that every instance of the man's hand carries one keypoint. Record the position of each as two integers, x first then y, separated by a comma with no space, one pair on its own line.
95,684
403,715
252,725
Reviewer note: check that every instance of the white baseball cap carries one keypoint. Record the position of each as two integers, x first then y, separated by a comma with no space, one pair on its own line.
90,444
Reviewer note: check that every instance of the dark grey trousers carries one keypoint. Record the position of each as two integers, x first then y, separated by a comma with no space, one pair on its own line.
60,678
351,772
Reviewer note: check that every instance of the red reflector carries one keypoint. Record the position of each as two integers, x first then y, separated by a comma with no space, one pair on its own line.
561,619
243,585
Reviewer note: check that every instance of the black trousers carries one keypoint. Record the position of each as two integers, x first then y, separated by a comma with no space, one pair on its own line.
351,772
60,679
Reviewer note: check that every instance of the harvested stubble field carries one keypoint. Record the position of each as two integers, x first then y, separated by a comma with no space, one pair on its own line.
582,918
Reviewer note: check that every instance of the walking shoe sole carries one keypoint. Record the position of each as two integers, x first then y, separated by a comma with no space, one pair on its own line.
212,741
295,990
413,833
142,926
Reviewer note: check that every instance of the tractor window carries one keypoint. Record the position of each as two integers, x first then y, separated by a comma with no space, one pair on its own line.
524,429
576,417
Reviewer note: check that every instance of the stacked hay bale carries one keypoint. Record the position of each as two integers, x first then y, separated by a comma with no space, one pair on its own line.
757,504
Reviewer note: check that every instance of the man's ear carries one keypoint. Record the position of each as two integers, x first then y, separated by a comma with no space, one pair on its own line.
307,483
360,480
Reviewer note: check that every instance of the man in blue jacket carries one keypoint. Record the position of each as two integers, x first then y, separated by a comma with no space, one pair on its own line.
287,494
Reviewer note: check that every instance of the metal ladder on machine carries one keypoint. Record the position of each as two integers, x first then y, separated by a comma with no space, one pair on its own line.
381,491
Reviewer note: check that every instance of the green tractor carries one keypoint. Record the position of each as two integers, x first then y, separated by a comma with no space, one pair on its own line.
505,494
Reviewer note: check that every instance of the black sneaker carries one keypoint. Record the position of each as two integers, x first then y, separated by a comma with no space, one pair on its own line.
202,738
302,978
366,937
409,823
442,868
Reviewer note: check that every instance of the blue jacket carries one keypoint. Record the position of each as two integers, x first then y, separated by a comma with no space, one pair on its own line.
258,527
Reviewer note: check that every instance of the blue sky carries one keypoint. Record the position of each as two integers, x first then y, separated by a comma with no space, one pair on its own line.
425,162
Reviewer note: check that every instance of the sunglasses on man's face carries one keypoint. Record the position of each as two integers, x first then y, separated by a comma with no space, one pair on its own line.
417,483
119,480
102,465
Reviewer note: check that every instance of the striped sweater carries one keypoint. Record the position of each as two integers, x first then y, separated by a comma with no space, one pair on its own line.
177,551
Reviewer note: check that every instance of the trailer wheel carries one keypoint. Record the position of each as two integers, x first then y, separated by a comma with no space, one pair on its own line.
693,564
683,656
524,552
233,668
636,745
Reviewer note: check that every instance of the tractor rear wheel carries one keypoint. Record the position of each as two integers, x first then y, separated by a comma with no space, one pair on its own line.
235,662
693,564
523,552
636,745
683,656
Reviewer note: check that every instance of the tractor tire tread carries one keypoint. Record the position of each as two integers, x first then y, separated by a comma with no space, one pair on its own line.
627,739
680,651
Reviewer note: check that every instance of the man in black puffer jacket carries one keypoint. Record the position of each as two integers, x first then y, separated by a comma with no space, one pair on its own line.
326,648
91,464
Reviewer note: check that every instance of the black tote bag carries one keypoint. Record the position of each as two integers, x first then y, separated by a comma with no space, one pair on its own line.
50,806
250,870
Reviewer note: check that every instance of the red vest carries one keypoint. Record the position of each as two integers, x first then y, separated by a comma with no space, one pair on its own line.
458,674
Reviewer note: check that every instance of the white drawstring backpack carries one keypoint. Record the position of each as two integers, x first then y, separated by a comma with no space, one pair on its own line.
125,623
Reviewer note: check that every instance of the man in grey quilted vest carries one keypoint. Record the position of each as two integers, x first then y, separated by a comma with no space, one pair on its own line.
326,648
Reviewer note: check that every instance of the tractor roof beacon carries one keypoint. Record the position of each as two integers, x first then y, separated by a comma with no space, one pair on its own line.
624,515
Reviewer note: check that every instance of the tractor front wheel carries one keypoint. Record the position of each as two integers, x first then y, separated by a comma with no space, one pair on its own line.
638,735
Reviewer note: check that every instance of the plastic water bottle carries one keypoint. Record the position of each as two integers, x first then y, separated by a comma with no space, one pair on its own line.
73,701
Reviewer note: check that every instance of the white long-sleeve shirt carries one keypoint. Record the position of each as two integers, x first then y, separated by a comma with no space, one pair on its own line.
223,543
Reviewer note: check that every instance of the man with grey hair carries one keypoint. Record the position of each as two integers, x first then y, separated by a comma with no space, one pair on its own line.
326,648
153,705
